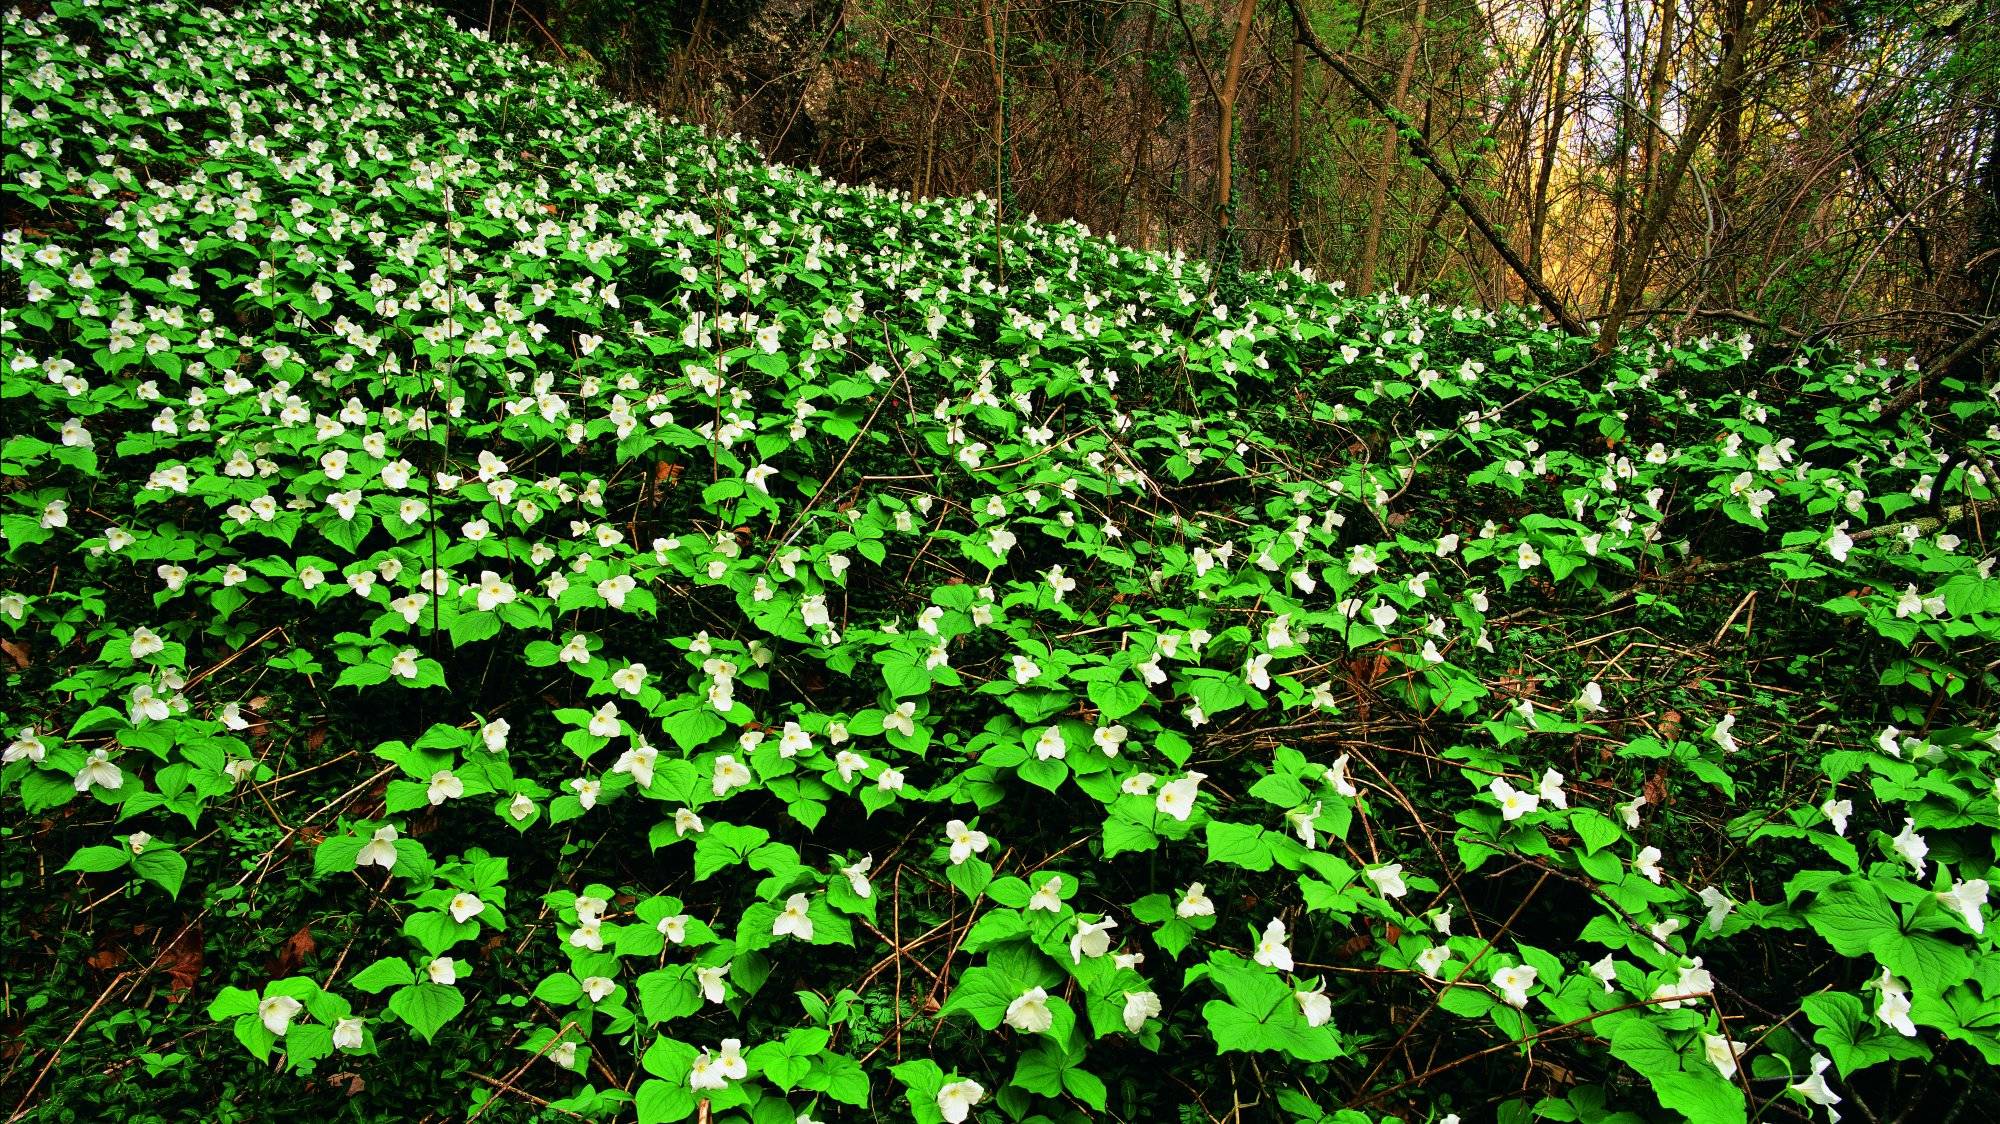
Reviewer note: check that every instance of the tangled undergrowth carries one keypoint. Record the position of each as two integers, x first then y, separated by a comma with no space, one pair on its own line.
517,609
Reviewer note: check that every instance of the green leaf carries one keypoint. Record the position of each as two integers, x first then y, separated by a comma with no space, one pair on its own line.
163,868
1239,844
231,1002
1117,698
427,1007
1852,1039
1696,1090
382,975
97,860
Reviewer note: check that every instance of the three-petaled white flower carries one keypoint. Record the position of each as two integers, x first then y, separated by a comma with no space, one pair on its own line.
1814,1088
729,773
1315,1006
857,875
794,921
965,841
1176,797
1092,939
444,785
1911,846
1049,896
956,1098
1966,898
99,772
1514,983
1061,583
379,850
1894,1008
1029,1012
1648,864
277,1012
1051,745
1388,880
1272,951
1723,1054
1513,803
1194,902
1140,1006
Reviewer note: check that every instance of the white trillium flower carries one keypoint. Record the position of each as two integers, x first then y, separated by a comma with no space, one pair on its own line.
1176,797
1722,1053
1431,960
277,1013
1966,899
1336,775
1513,983
1092,939
1513,803
1648,864
1272,952
1049,897
1837,812
1315,1006
794,921
1815,1088
1551,790
99,772
348,1033
465,907
1388,880
444,785
1605,971
379,850
1029,1012
1051,745
1140,1006
1894,1008
705,1073
729,773
1194,902
1722,735
857,876
956,1098
444,970
1719,906
965,841
710,979
1911,847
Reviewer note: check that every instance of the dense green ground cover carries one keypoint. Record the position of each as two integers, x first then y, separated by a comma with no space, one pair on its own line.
517,609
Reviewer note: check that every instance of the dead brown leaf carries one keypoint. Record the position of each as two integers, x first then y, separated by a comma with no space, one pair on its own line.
293,952
18,652
182,963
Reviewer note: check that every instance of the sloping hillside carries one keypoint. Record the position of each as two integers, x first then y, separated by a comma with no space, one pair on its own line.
517,609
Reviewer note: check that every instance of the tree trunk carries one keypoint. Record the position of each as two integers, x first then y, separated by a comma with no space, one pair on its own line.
1660,196
999,140
1224,139
1558,116
1421,149
1292,247
1371,243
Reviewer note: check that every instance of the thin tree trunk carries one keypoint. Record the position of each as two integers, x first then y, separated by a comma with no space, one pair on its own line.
999,140
1371,243
1226,101
1292,247
1660,196
1421,149
1558,116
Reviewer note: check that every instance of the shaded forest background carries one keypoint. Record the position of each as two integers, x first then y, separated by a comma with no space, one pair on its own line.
1802,169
